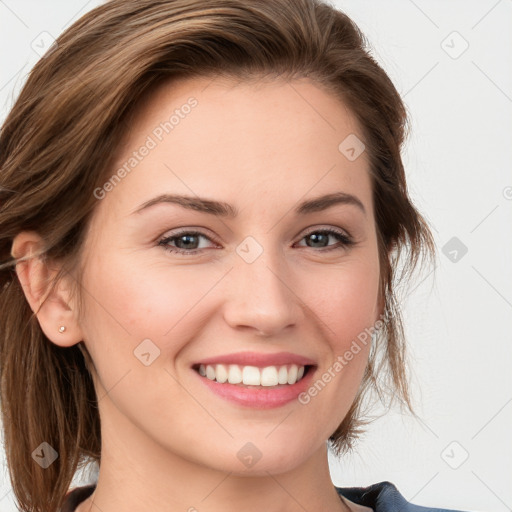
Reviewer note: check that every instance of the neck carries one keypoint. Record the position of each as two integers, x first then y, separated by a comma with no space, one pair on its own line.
138,474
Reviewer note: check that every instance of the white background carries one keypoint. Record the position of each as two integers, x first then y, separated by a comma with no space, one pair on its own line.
458,161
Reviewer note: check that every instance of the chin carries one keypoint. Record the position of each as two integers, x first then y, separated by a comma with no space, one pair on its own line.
257,457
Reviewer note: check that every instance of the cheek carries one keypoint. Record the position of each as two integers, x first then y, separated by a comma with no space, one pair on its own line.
128,302
124,309
346,299
346,303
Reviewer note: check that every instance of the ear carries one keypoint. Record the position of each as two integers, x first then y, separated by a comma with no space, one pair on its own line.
52,305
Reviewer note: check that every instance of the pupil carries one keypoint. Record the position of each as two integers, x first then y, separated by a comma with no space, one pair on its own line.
186,237
316,237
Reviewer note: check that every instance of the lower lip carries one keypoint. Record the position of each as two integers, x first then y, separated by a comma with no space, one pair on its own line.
259,397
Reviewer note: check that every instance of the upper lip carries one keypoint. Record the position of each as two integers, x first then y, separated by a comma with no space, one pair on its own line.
258,359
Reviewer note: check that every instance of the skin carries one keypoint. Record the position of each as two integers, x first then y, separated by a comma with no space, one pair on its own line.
169,443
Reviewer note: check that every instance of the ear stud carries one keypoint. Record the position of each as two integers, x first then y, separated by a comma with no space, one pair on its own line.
62,328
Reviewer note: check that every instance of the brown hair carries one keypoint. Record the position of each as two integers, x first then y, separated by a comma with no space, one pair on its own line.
57,146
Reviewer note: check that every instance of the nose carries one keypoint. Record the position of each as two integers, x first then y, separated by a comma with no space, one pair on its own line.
259,296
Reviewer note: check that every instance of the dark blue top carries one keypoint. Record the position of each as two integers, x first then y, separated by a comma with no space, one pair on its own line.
381,497
384,497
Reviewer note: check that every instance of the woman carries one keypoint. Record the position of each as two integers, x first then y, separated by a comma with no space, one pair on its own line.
202,215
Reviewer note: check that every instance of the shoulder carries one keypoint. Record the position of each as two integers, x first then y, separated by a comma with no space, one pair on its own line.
384,497
76,496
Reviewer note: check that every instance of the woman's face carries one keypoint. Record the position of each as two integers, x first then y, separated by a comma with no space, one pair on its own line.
243,265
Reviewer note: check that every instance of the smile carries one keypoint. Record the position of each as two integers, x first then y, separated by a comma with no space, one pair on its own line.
254,387
252,375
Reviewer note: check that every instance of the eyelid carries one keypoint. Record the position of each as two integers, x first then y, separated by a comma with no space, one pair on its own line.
189,230
316,228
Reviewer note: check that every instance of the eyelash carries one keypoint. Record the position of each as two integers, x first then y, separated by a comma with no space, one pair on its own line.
346,241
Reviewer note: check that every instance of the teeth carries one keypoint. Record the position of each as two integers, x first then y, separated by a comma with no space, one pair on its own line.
210,372
292,374
269,376
252,375
282,375
234,374
221,373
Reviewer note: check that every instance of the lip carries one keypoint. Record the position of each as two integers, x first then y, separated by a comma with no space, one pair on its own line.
259,397
258,359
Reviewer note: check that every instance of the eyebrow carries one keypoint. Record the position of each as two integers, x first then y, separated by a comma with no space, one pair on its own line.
221,209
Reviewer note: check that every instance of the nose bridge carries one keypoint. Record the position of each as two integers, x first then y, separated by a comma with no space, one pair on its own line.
259,294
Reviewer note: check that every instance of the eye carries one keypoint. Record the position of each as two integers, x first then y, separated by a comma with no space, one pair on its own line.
187,242
320,237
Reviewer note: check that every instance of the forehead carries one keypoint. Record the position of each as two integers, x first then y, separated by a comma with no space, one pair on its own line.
259,99
215,136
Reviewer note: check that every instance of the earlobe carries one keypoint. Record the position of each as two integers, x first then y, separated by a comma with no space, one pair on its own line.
51,304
